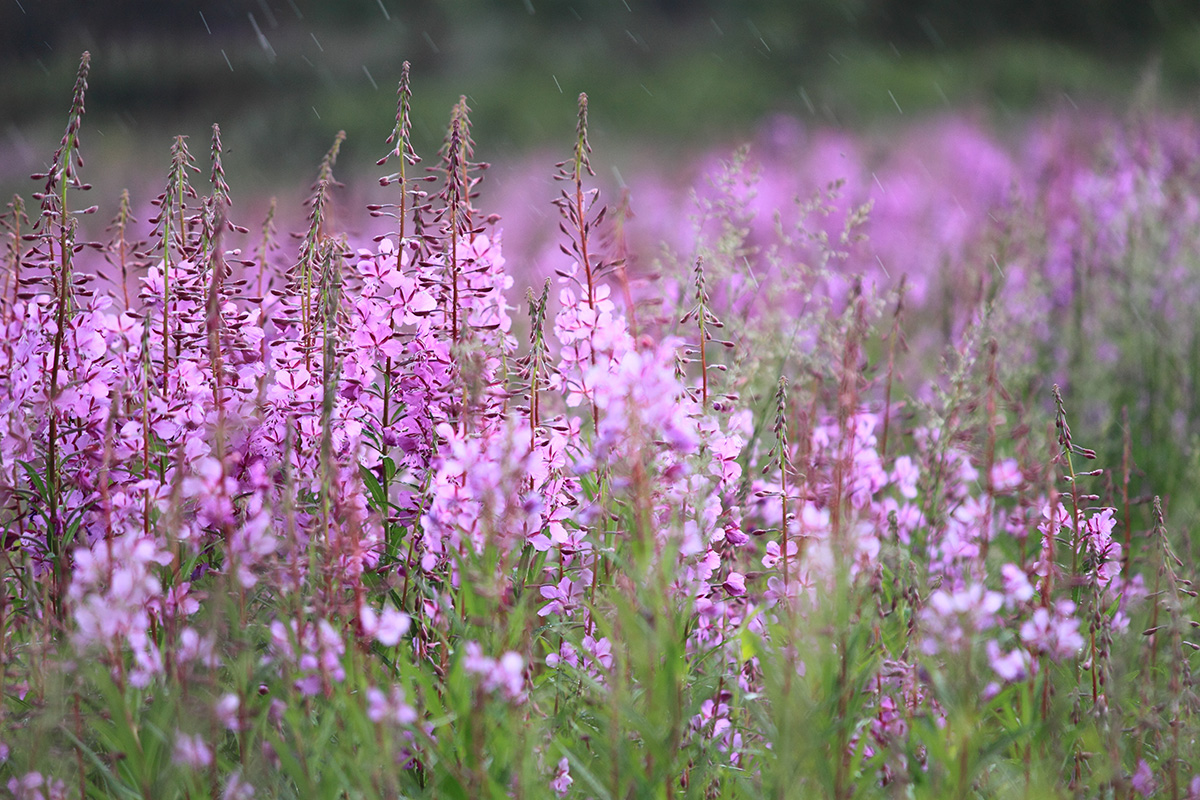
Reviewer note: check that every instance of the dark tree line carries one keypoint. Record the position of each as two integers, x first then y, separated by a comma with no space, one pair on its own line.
34,28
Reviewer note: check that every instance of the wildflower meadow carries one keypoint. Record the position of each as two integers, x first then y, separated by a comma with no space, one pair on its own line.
828,469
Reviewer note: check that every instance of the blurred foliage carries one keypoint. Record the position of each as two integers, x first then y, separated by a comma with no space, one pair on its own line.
27,27
282,76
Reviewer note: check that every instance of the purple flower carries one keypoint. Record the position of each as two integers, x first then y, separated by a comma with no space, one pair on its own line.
561,782
1142,780
564,596
390,707
33,786
192,751
1017,588
227,711
951,618
1010,667
1053,632
505,674
387,627
237,788
735,584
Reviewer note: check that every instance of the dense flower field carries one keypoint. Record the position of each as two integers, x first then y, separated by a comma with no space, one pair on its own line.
802,514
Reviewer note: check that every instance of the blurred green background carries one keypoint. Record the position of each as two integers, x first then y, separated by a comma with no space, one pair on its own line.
283,76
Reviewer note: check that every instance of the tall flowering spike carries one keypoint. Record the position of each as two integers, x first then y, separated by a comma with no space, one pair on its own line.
14,223
267,244
706,320
68,160
331,298
536,366
172,218
1168,635
582,148
467,165
55,228
307,271
214,325
171,222
1065,457
401,139
895,338
325,172
451,214
216,207
575,204
54,220
220,188
779,458
121,252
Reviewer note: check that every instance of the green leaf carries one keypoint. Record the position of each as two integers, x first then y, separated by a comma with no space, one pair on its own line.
374,488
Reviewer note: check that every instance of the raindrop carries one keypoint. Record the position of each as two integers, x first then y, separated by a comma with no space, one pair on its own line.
295,10
227,60
931,33
716,27
314,38
556,83
374,85
529,6
314,108
383,8
898,108
647,91
262,40
18,2
1071,101
429,41
202,19
638,40
268,14
807,101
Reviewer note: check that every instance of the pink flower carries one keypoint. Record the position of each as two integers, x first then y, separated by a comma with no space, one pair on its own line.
564,596
192,751
906,474
1006,476
227,712
33,786
505,675
1017,588
237,788
1142,780
390,707
387,628
1053,632
1010,667
562,780
951,618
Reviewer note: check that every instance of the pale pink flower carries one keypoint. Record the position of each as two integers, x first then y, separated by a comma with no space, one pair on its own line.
562,780
192,751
